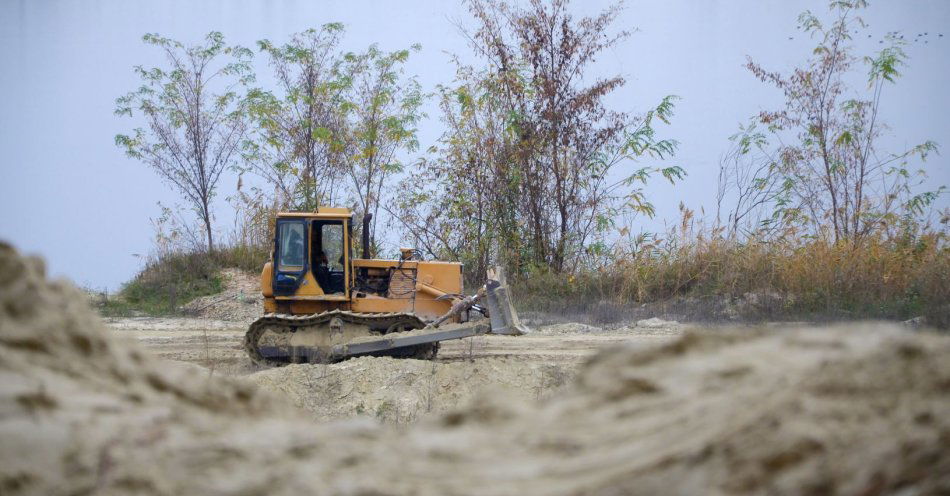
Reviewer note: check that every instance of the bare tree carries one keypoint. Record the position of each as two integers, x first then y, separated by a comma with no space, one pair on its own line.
194,122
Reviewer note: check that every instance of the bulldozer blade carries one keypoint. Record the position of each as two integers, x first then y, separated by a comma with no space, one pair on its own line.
434,335
504,318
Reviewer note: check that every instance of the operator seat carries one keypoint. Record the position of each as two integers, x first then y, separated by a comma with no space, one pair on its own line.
322,274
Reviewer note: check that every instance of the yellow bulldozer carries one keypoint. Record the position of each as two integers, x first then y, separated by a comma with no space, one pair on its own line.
321,304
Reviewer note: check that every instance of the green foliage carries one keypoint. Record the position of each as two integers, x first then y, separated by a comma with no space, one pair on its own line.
337,118
296,143
530,171
885,64
826,174
170,281
165,284
381,113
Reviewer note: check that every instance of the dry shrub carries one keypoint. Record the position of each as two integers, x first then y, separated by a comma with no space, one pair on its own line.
875,277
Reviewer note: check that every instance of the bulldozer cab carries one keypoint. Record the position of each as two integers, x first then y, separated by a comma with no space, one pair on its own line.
312,254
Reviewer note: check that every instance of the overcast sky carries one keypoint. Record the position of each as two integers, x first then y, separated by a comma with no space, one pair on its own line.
67,193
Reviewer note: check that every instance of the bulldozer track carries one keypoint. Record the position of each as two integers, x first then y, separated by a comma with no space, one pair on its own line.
286,323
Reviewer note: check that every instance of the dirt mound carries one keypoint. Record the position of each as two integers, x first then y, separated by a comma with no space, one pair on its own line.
241,299
400,391
82,411
846,411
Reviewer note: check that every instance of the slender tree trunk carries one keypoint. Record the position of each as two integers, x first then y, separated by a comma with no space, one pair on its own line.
829,179
206,217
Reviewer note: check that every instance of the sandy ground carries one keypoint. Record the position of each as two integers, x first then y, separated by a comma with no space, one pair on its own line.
533,366
215,344
859,409
210,342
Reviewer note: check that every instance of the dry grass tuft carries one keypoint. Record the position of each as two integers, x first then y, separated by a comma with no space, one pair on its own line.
873,278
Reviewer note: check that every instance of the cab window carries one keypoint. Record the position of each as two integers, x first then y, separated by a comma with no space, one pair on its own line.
292,248
332,237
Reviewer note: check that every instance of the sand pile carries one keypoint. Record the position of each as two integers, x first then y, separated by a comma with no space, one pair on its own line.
81,411
860,410
401,391
241,299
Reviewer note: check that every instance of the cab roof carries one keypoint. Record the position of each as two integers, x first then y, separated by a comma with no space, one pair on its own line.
320,213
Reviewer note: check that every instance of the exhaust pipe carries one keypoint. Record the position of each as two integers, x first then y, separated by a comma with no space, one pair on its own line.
366,220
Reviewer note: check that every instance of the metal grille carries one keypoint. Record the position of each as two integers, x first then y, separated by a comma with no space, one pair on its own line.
402,283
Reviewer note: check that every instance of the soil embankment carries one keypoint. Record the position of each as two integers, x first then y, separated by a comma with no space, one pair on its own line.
240,299
849,410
